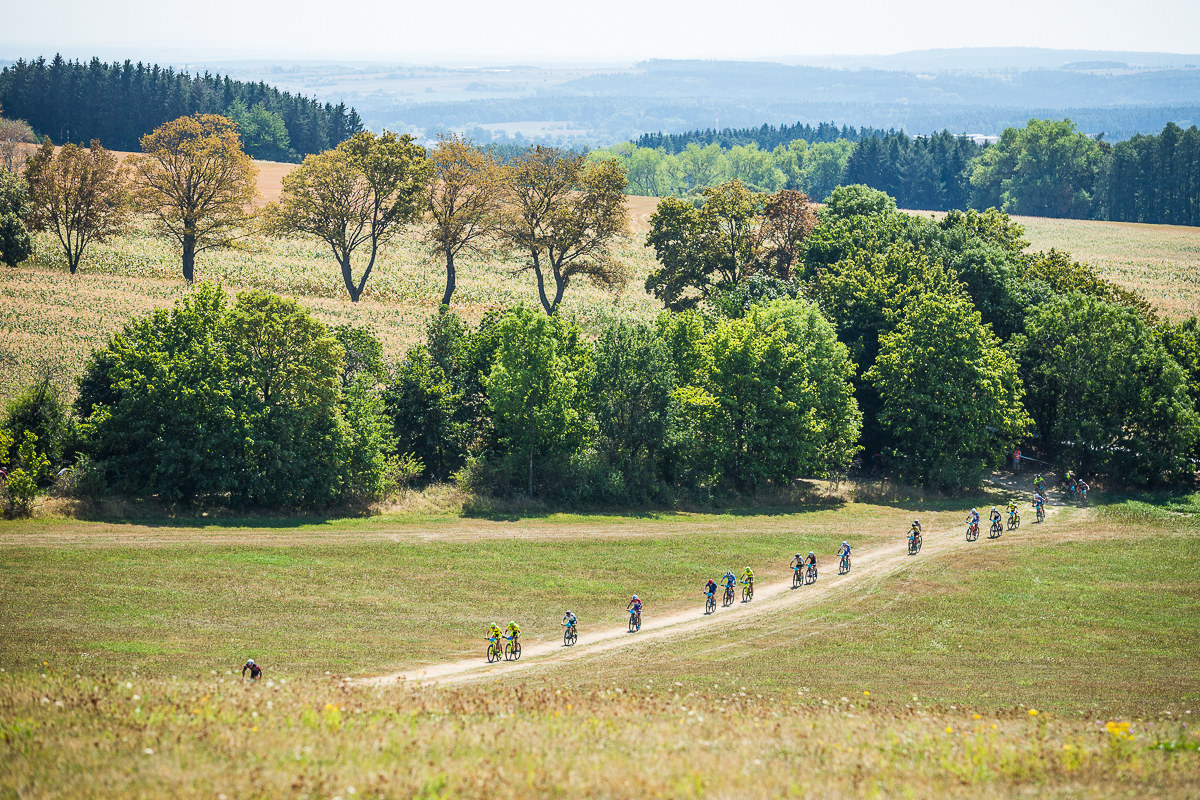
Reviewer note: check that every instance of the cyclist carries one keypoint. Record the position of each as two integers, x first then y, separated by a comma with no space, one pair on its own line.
729,580
973,517
1039,502
844,551
994,516
811,559
710,588
1012,509
512,632
569,619
798,561
1083,489
748,576
1039,484
255,669
915,530
635,605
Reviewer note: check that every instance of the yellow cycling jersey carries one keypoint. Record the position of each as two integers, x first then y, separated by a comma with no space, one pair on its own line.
514,629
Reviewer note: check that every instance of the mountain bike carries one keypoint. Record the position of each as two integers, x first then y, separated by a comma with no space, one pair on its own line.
914,544
494,651
635,620
710,602
570,635
1041,514
997,529
844,566
972,531
747,591
727,600
1014,521
810,574
797,577
512,650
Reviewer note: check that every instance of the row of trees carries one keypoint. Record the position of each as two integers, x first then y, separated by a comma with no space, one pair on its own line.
557,212
1047,168
70,101
937,344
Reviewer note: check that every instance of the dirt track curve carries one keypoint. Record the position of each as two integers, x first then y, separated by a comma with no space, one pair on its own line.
868,568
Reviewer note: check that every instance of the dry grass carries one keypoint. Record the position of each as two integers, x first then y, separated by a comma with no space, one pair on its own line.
136,735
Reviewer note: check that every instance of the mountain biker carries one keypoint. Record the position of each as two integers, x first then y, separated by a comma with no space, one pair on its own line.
494,633
635,604
1012,508
973,517
710,588
730,579
994,516
513,631
748,576
1039,484
255,669
844,551
1083,488
798,561
915,530
1039,502
569,619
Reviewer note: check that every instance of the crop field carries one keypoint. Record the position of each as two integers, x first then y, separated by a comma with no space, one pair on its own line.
1057,660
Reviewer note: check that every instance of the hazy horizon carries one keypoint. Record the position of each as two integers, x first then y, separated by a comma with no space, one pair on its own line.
547,32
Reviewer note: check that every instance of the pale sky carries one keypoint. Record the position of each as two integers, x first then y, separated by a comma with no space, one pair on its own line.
538,31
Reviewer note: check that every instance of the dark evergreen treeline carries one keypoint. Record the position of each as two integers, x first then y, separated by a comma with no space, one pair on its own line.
926,172
71,101
767,137
1154,178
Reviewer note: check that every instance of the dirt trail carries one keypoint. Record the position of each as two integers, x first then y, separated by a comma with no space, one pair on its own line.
869,568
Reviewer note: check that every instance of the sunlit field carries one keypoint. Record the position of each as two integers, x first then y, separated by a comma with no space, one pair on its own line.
1057,660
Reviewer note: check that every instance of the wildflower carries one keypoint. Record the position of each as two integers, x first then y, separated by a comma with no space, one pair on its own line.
149,751
949,729
866,693
977,716
1033,712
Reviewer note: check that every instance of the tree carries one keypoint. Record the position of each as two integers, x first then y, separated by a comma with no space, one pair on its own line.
39,409
631,394
950,396
464,200
196,182
1046,169
239,403
787,219
420,405
79,194
702,249
538,396
15,243
363,192
13,134
772,400
1104,391
563,215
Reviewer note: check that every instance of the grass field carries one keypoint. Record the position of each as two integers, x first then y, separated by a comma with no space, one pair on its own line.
123,639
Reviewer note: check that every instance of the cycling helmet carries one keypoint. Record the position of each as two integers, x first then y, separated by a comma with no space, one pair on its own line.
798,555
249,660
843,542
635,597
512,623
747,568
569,612
916,522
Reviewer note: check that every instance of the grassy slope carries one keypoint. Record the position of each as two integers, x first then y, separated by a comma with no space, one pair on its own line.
1092,616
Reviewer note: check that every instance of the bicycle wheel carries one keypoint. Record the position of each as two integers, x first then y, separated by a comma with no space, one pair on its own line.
508,650
638,625
710,604
516,651
1041,515
728,599
493,653
1017,521
632,626
795,578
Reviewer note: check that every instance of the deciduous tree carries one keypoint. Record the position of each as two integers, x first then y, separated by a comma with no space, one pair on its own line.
197,183
950,397
15,243
363,192
79,194
464,196
562,216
